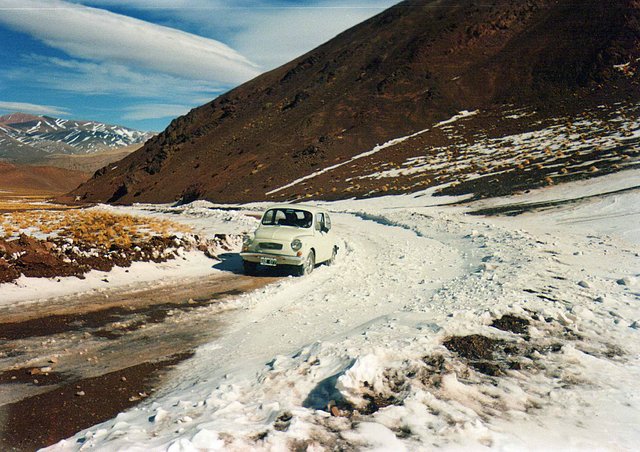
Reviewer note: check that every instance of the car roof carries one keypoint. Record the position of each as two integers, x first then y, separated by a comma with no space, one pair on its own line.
312,209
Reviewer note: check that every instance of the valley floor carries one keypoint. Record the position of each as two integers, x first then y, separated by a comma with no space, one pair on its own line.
434,329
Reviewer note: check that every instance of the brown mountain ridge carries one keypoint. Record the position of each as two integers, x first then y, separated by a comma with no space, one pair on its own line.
554,63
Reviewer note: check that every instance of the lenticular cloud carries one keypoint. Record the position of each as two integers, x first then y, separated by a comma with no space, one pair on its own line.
101,35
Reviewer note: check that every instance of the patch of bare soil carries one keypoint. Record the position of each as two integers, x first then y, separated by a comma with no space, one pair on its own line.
89,163
512,323
47,418
474,346
25,199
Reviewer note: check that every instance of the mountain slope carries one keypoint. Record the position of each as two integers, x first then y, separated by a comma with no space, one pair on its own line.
30,138
35,179
395,75
88,162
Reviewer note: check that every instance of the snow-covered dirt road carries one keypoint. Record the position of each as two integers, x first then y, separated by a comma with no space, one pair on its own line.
433,329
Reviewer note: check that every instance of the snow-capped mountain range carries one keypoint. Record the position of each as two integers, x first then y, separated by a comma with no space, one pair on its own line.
27,138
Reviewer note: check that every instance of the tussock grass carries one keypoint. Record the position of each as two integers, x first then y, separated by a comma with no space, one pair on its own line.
90,227
22,200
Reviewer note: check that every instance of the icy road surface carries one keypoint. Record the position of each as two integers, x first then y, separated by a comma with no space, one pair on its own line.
354,355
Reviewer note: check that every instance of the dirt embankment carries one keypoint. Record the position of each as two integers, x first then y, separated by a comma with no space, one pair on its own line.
59,257
47,243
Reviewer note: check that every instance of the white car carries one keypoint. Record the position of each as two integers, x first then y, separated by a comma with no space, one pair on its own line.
293,235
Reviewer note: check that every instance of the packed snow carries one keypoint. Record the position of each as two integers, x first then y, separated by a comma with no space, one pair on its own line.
353,356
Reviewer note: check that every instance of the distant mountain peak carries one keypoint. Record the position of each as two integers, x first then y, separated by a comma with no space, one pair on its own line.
28,138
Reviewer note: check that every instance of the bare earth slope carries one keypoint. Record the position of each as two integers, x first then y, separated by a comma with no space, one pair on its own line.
396,74
39,178
89,162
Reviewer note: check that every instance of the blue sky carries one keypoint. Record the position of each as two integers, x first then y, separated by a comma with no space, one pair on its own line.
141,63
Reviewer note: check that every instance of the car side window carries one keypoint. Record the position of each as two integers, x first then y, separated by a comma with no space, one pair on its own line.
268,217
327,221
319,221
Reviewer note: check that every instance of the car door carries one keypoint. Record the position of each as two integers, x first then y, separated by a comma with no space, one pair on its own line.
330,235
323,249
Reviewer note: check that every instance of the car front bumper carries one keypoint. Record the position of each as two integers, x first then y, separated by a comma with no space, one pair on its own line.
280,259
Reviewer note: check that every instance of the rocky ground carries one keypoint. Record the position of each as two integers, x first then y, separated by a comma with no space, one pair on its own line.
44,244
58,257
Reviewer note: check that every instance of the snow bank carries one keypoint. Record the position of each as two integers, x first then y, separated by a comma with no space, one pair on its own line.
26,290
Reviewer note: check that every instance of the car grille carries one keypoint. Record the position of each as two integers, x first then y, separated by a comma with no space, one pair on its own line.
271,246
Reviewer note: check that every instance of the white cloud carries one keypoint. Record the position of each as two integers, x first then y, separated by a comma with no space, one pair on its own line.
269,32
275,36
88,78
24,107
155,111
100,35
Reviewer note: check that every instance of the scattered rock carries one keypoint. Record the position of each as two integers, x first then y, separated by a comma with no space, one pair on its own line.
7,272
80,393
626,281
584,284
489,368
160,415
283,421
486,266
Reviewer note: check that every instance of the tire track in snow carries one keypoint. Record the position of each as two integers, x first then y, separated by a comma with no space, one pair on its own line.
381,269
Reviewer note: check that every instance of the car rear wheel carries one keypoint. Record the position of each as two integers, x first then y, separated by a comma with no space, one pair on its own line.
308,265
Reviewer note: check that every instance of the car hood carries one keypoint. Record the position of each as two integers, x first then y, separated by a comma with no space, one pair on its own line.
280,233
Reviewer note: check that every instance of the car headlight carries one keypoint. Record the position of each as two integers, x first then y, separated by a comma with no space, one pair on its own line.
246,242
296,245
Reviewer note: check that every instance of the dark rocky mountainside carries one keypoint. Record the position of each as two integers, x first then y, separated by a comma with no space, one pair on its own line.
521,67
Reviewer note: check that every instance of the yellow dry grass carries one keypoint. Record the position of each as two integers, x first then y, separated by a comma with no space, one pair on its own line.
20,200
91,227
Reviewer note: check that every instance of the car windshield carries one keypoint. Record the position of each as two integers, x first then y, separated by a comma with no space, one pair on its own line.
287,217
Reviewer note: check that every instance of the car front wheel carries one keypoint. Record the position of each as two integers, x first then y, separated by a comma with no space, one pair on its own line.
308,265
